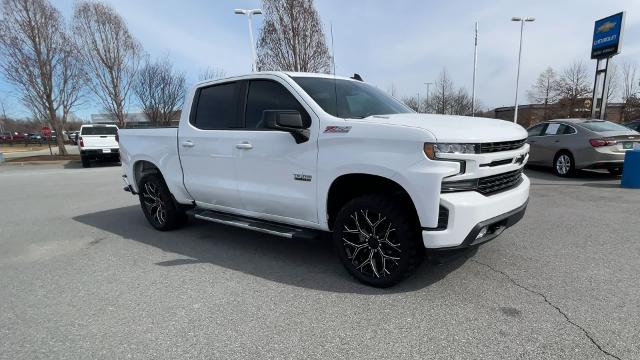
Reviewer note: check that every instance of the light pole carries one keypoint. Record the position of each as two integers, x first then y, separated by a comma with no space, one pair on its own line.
250,13
522,20
475,62
427,101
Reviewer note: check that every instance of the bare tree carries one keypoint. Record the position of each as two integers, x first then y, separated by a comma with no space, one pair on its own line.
440,101
544,90
573,86
38,60
110,55
73,80
291,38
212,73
412,102
629,80
160,90
461,103
630,86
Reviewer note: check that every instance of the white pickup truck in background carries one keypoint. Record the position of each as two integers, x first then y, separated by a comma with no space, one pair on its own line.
297,154
98,142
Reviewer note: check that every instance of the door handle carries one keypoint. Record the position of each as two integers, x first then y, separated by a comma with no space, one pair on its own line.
188,143
244,145
556,140
532,141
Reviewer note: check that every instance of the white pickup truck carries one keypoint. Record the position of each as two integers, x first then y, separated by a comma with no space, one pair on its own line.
298,154
98,142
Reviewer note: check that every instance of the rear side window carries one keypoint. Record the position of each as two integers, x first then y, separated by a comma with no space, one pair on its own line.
99,130
566,130
217,107
268,95
601,125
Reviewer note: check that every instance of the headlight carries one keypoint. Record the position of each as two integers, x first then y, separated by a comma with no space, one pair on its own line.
433,150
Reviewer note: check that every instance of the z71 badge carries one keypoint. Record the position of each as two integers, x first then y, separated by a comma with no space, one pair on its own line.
337,129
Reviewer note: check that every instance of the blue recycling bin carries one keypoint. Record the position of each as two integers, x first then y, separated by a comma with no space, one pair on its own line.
631,170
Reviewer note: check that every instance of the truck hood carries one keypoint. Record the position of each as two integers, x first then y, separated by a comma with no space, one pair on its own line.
450,128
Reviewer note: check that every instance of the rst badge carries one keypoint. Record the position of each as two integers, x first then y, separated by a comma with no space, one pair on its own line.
302,177
337,129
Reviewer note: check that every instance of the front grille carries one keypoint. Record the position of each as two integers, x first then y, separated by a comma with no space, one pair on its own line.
501,146
496,183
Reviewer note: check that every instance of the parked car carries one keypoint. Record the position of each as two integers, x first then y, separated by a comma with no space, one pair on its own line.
98,142
571,144
633,125
34,137
298,154
73,137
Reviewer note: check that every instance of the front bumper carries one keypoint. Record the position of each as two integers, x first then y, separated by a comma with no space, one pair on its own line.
470,212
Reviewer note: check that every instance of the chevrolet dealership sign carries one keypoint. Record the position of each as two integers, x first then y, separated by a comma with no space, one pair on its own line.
607,36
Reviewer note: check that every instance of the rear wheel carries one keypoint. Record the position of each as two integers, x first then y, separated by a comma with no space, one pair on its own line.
615,171
377,241
563,164
85,161
158,205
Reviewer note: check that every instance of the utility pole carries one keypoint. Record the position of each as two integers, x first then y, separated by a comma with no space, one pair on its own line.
427,101
250,13
475,62
522,21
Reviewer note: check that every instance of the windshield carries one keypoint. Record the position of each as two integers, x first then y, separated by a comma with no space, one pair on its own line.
354,100
600,125
100,130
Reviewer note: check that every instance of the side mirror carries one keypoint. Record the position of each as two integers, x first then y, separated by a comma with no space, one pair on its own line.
290,121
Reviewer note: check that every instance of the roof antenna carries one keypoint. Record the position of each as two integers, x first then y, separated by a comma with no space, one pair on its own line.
333,61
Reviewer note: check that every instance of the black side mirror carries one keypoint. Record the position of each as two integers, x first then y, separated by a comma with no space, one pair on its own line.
290,121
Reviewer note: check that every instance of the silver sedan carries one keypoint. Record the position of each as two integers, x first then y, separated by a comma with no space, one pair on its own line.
571,144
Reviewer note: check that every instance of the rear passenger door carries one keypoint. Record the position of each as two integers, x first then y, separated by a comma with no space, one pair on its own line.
276,176
207,146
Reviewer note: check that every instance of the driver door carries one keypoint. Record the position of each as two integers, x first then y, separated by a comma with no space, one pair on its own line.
276,176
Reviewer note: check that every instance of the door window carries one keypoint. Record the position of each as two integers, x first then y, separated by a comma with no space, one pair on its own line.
217,107
536,130
268,95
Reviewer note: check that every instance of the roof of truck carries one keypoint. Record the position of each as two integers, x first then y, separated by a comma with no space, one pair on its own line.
277,73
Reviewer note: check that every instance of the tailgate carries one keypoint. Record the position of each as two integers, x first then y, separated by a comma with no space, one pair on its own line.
100,141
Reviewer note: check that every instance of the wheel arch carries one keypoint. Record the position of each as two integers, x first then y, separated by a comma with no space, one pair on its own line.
349,186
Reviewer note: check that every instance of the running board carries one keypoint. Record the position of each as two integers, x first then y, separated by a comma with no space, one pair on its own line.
266,227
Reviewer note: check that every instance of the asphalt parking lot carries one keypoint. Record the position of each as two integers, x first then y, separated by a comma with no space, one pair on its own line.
83,276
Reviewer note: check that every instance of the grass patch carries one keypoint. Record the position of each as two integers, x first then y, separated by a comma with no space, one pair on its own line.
45,158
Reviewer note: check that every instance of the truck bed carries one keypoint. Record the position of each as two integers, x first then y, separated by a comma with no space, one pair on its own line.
158,146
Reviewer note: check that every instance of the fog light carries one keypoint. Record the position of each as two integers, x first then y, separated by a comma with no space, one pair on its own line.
482,232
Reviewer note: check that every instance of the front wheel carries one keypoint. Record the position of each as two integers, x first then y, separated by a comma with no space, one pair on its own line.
157,204
377,241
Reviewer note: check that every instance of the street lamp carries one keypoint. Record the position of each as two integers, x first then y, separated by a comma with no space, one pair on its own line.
250,13
522,20
427,101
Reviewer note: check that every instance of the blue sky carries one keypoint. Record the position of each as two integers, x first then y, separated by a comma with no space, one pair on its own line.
404,43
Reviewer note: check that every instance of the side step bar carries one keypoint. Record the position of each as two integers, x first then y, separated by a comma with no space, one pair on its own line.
266,227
